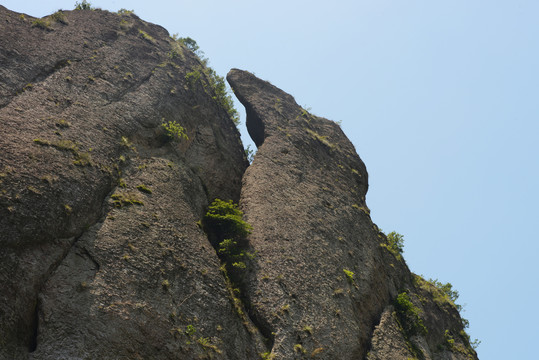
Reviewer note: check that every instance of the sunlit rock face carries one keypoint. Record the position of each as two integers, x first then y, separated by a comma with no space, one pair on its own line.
102,252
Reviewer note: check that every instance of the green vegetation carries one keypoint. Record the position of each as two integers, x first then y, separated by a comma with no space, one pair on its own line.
349,275
126,143
365,209
143,188
228,231
443,294
409,316
83,159
396,241
124,25
125,12
221,94
215,82
146,36
458,347
125,199
447,290
189,44
394,244
84,5
473,343
174,131
224,219
206,345
450,342
322,139
267,355
44,24
59,17
190,330
192,78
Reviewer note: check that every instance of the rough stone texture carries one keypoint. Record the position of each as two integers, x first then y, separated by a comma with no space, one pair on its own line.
304,195
388,342
101,256
139,278
442,320
81,108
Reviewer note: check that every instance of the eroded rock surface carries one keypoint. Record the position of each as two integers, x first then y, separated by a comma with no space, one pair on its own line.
323,279
102,255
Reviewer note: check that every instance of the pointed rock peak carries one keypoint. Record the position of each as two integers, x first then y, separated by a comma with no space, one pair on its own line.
264,103
275,120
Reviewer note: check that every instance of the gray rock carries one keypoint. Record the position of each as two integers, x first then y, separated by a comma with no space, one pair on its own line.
101,251
304,195
84,273
323,279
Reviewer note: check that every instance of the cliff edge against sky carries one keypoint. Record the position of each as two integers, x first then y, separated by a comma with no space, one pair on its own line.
115,140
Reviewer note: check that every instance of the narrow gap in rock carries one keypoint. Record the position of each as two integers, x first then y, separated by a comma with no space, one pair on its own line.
227,233
255,126
32,346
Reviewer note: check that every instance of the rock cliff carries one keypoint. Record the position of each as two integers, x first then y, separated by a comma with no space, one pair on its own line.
115,140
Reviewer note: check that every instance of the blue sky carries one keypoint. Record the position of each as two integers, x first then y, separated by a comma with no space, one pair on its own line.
441,100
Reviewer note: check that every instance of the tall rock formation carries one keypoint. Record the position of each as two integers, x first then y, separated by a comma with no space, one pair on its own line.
102,253
322,278
325,275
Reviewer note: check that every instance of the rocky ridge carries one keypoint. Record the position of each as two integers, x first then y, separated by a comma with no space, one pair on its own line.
101,252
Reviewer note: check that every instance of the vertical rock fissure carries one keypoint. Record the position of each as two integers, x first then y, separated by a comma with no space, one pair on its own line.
262,326
32,344
241,302
34,326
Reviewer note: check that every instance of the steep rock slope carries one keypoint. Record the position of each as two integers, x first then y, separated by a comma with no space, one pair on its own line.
324,277
100,253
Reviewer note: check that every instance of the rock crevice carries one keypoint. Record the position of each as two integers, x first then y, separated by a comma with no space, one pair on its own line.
101,256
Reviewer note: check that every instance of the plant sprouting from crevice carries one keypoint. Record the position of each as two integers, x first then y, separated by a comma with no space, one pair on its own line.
409,315
228,232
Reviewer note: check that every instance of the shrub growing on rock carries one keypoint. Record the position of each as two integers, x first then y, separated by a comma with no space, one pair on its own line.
228,231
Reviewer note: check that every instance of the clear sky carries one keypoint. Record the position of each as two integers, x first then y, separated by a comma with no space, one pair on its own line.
441,100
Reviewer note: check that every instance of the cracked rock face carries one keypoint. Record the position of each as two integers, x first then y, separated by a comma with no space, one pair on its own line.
101,252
